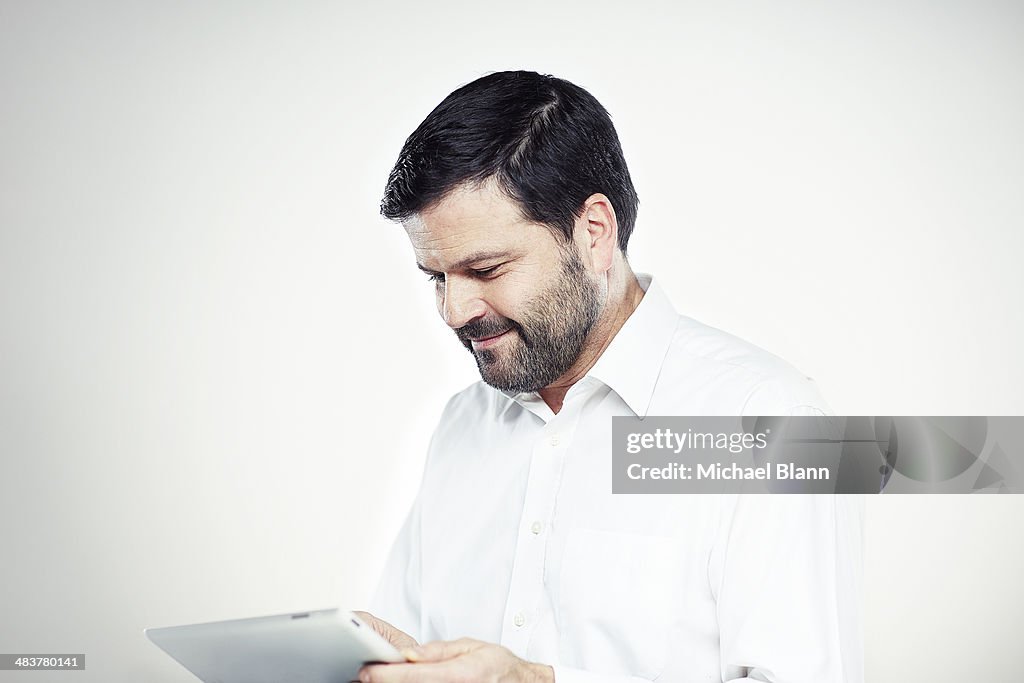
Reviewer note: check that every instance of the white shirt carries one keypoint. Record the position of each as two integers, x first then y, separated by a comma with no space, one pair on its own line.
515,537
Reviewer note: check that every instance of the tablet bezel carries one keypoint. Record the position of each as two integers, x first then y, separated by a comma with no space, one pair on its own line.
320,646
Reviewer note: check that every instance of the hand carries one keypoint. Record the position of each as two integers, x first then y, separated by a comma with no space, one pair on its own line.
459,661
400,639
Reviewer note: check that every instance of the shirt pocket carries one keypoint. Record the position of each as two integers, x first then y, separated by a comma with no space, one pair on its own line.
617,596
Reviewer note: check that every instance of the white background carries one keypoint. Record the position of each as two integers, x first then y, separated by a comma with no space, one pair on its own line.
219,368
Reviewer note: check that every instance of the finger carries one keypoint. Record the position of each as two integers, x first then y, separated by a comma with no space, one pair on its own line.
384,673
426,672
371,621
400,639
440,650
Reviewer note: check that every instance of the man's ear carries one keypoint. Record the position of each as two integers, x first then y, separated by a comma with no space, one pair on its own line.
598,232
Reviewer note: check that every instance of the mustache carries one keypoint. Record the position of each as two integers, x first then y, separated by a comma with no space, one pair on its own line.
483,327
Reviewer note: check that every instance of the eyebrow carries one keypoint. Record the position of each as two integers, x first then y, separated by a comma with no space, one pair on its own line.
472,258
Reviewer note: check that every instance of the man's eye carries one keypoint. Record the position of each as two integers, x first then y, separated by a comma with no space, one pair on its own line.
436,277
485,272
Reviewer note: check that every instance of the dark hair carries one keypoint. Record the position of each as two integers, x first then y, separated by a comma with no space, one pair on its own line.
547,142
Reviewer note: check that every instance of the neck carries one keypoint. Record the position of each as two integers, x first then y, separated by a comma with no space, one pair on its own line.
624,295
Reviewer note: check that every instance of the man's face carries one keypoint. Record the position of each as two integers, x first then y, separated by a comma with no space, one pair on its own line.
520,299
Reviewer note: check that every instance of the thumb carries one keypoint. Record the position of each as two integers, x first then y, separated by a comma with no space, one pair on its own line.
439,650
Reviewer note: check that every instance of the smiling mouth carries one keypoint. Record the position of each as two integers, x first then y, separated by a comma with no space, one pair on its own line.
488,341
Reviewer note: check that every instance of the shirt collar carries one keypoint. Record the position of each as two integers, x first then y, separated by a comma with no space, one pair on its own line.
631,363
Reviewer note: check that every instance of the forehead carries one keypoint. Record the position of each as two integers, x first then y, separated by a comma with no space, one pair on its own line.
472,219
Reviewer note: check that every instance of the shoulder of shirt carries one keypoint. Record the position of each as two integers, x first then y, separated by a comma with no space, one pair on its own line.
477,397
737,373
467,424
476,401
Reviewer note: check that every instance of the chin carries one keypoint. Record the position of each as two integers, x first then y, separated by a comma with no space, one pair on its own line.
500,381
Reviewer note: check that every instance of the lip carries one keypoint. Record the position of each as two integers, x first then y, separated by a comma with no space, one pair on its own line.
488,341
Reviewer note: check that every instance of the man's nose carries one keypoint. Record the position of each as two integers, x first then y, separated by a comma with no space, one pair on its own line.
460,302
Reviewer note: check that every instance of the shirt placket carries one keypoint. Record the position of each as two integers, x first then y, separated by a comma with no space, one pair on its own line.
526,588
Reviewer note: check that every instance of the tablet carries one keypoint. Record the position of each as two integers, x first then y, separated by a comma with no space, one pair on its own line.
324,646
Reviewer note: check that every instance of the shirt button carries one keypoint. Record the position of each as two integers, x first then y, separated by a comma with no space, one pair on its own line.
519,619
553,440
536,527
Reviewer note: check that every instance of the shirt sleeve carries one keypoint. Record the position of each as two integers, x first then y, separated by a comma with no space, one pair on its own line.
789,393
398,597
787,573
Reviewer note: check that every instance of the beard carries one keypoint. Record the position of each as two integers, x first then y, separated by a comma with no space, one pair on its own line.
551,331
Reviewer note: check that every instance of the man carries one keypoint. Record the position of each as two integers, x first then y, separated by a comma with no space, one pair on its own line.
516,563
